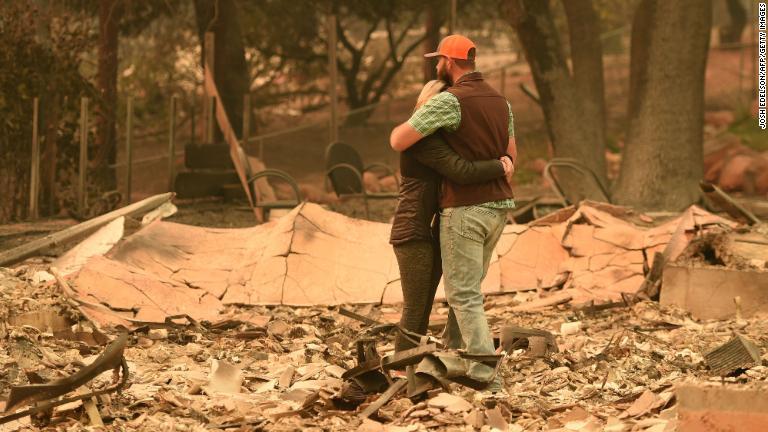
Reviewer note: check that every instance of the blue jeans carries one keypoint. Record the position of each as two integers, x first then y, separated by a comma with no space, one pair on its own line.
468,236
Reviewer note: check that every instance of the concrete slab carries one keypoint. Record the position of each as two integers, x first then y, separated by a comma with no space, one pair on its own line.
708,292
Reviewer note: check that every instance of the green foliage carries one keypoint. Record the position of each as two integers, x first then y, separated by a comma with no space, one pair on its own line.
746,128
39,54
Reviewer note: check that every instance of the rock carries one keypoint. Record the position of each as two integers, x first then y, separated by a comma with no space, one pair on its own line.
646,403
474,419
451,403
41,277
570,328
278,328
158,334
335,371
224,378
496,420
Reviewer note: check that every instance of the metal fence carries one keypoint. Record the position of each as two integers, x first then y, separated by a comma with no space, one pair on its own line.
151,148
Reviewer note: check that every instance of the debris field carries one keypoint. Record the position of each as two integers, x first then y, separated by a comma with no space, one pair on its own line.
576,352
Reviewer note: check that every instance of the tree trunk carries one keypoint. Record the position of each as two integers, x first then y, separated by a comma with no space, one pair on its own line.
110,12
14,188
432,30
51,108
738,20
662,161
588,82
573,105
230,69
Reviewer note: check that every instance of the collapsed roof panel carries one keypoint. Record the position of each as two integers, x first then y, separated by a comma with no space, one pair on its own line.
314,256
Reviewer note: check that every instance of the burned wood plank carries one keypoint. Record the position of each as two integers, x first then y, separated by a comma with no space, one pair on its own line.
591,308
553,300
354,315
384,398
727,204
737,353
77,231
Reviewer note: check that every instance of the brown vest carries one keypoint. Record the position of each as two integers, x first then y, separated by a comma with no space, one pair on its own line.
482,134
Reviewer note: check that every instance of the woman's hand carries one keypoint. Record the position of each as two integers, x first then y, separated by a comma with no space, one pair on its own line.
509,168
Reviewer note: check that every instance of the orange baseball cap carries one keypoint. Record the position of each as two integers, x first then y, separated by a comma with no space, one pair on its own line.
455,46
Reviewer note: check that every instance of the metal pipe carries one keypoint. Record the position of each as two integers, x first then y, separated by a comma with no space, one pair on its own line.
34,175
128,149
83,165
246,118
210,123
171,141
333,78
210,102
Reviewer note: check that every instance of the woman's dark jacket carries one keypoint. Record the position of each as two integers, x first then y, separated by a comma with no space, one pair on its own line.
422,168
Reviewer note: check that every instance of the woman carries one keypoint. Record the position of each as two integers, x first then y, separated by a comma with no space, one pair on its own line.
414,232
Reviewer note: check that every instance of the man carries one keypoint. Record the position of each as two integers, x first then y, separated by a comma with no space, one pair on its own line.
477,123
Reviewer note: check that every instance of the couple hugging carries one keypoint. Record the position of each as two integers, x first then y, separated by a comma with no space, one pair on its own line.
457,154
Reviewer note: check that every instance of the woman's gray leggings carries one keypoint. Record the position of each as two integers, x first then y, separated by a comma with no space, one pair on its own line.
420,272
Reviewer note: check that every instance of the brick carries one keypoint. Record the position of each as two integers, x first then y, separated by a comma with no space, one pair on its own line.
715,408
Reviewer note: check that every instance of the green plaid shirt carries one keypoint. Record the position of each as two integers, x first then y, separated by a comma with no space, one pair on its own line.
443,111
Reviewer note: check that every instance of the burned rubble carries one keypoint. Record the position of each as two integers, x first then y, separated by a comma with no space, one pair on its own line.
569,361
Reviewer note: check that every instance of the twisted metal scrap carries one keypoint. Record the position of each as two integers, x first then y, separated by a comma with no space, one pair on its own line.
111,359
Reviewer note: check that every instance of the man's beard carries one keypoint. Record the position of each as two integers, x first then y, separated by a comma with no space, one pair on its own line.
443,75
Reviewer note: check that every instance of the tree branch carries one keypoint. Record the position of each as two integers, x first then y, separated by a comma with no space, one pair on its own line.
391,74
369,33
343,38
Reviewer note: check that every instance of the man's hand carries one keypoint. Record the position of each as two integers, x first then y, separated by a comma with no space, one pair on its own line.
509,168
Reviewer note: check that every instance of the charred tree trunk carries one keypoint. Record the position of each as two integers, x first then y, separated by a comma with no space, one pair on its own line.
573,103
230,68
110,12
662,161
